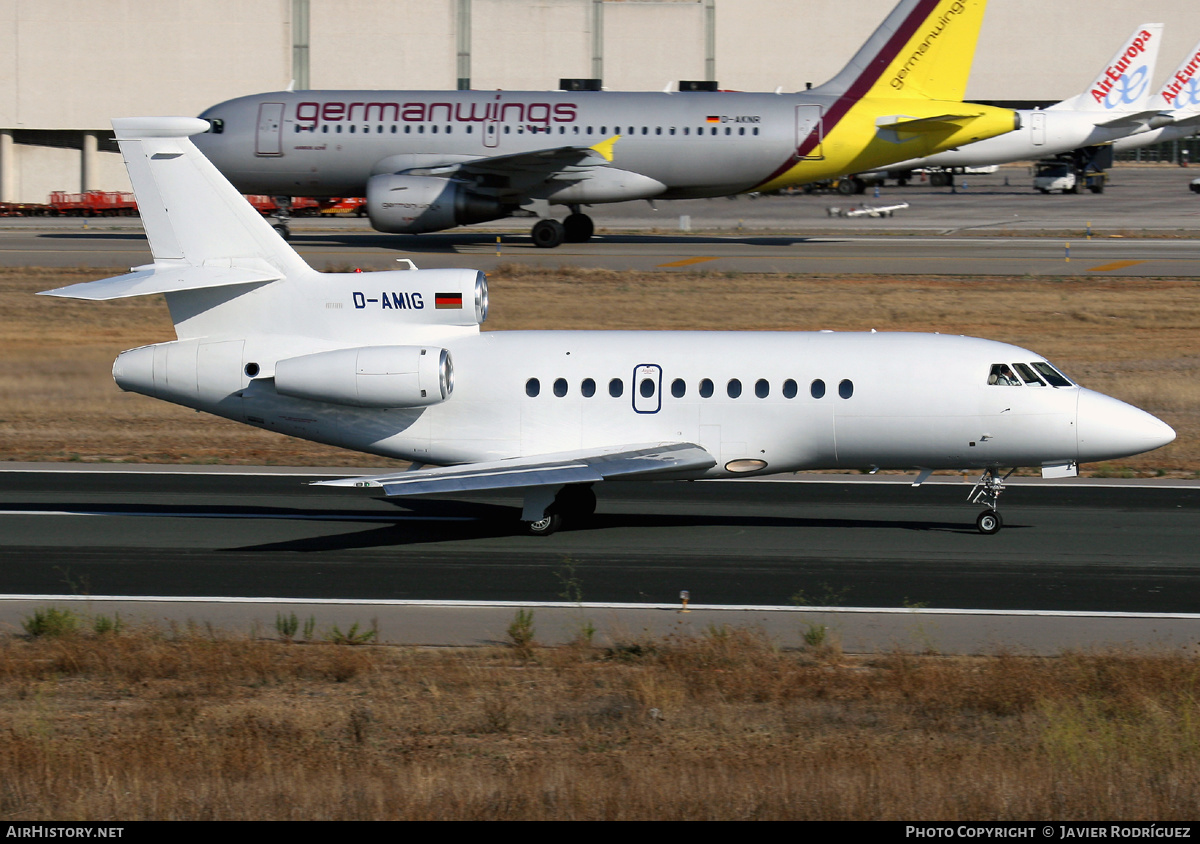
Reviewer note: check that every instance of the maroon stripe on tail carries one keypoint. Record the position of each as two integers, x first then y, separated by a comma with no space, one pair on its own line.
865,81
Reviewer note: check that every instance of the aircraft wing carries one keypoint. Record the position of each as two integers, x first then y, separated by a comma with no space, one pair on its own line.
648,462
521,169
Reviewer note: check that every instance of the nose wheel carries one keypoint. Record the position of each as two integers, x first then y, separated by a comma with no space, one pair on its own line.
989,522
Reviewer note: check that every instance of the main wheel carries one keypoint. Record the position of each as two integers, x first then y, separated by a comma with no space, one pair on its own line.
548,234
989,522
579,228
283,230
544,526
846,187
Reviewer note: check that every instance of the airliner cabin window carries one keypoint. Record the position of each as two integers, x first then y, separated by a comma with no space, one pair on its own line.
733,388
846,388
588,388
818,389
789,389
678,388
532,388
616,388
762,388
560,387
706,388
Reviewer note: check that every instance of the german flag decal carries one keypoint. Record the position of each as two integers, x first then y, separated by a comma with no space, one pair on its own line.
712,118
448,300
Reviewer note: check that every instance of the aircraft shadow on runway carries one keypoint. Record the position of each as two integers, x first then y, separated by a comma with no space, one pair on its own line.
491,522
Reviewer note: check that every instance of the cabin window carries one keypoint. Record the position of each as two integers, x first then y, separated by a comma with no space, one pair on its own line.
421,129
1052,375
408,130
762,388
588,388
339,128
616,387
756,130
1002,376
658,130
741,130
532,388
393,128
671,131
846,388
470,129
560,387
817,389
734,388
647,388
789,389
678,388
706,388
728,130
686,130
353,128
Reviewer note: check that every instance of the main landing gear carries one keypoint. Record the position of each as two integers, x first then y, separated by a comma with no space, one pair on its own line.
574,503
576,228
987,492
282,215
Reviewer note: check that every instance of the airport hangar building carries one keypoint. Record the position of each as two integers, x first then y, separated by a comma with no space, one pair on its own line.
67,66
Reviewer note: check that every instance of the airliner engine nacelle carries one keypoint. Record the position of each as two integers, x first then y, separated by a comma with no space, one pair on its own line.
415,204
370,376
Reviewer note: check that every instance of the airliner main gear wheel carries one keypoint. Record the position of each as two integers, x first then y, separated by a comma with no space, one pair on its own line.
987,492
989,522
548,234
579,228
283,214
544,526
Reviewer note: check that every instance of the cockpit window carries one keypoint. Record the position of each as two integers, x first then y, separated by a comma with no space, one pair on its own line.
1052,375
1028,376
1002,376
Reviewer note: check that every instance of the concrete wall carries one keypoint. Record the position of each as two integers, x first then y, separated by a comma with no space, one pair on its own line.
73,64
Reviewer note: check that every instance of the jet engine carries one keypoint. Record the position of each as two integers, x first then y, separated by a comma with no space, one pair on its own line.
369,376
415,204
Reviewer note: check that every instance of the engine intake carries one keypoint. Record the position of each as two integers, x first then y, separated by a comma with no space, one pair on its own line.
415,204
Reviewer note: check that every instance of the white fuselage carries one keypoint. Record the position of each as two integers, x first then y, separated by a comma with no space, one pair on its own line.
1043,134
756,401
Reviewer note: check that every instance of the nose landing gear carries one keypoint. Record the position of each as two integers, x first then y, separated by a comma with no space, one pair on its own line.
987,492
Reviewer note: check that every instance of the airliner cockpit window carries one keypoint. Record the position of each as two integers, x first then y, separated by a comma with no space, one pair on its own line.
1056,378
1002,376
1028,375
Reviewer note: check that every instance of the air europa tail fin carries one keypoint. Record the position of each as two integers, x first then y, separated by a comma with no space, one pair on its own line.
923,50
1123,84
202,232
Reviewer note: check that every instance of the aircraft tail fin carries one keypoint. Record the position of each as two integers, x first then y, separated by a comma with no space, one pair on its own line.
923,50
1123,84
1181,91
202,232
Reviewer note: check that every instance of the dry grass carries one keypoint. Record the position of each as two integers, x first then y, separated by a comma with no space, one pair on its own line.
1133,338
191,725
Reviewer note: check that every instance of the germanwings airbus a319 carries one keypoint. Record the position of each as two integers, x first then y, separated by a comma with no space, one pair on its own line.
394,363
432,160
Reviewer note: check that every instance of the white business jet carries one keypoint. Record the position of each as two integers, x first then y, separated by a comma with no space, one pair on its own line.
393,363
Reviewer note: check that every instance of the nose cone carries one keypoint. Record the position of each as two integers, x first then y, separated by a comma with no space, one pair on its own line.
1109,428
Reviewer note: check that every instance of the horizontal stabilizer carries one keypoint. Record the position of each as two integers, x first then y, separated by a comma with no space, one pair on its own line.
1150,119
635,461
165,278
940,123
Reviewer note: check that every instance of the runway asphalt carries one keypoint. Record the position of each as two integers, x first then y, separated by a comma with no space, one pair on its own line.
1095,548
1145,224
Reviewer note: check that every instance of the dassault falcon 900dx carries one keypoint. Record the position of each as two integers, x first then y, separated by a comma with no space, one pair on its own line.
394,363
431,160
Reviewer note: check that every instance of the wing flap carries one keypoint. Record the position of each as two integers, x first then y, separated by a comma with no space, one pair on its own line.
657,460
